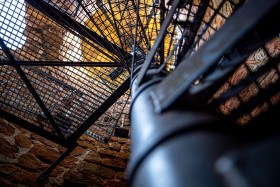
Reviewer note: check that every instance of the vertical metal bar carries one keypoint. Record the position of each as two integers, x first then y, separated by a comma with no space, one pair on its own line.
162,6
140,22
30,88
194,29
135,38
149,17
115,22
158,40
120,36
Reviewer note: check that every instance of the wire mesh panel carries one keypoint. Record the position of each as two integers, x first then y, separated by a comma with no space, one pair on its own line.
67,30
115,116
70,94
12,25
16,99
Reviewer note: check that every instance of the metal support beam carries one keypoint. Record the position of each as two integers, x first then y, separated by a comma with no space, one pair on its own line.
161,47
100,110
177,144
237,55
190,69
143,31
190,37
135,38
57,161
32,128
30,88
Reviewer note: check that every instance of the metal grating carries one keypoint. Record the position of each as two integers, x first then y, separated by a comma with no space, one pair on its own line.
16,98
66,65
70,93
50,32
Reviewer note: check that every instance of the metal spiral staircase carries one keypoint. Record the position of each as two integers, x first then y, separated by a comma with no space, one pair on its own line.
218,56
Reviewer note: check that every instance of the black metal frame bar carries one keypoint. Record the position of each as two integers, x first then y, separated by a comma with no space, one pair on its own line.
70,148
190,37
72,140
101,6
31,127
174,85
135,37
100,110
30,88
157,42
161,47
249,44
136,8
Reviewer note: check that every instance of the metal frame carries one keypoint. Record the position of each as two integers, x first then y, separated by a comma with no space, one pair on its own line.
169,90
30,87
189,66
69,143
122,59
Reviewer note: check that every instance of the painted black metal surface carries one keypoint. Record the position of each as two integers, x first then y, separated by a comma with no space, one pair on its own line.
192,68
157,43
162,144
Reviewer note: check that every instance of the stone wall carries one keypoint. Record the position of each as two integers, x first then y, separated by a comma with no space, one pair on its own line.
25,155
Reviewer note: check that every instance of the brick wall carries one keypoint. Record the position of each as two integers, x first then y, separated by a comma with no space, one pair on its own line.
24,155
